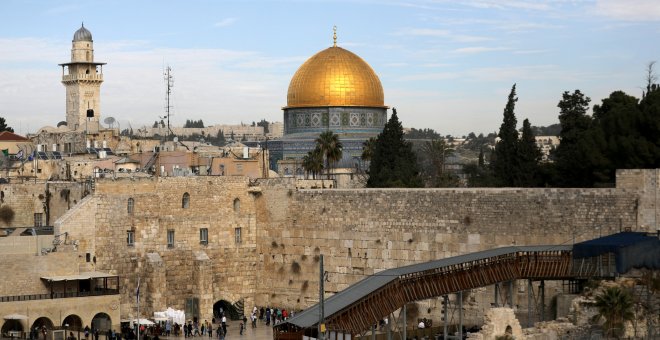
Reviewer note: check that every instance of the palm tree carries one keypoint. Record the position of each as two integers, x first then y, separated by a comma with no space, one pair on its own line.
616,306
368,148
438,150
331,148
313,162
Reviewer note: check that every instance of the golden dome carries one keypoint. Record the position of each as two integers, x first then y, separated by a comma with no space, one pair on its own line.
335,77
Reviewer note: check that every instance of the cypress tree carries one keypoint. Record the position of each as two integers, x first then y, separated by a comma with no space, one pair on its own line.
393,163
504,160
529,156
572,154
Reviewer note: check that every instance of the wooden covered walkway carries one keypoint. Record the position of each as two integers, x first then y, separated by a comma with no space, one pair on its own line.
362,305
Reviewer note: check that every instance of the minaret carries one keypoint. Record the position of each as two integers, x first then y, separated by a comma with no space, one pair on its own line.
82,78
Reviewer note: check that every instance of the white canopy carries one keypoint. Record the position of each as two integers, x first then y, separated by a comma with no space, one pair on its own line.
145,322
177,316
15,317
81,276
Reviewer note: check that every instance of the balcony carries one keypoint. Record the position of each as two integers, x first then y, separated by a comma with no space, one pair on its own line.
96,292
82,77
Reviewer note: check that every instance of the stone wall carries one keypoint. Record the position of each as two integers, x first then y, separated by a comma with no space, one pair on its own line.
644,182
22,273
284,230
26,199
220,269
56,310
362,232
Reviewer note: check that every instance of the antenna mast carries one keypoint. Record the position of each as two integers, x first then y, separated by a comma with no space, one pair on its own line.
169,83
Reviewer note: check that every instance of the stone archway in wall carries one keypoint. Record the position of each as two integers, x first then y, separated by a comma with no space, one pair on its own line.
102,322
12,326
41,324
72,323
225,307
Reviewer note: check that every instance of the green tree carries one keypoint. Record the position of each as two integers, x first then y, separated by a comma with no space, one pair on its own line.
393,163
572,154
220,138
368,148
4,126
437,151
422,134
615,305
331,148
504,162
313,162
264,123
529,156
620,134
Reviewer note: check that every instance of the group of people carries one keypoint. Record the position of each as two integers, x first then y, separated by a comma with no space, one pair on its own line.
272,315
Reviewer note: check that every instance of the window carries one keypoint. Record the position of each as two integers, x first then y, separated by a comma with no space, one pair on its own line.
170,238
239,168
130,238
203,236
185,201
237,205
38,219
237,235
131,204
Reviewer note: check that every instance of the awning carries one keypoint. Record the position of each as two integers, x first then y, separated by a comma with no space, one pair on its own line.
81,276
15,317
145,322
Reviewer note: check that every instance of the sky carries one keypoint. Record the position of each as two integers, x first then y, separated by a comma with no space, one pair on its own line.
445,65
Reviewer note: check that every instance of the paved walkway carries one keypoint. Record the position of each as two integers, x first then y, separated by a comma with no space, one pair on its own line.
262,332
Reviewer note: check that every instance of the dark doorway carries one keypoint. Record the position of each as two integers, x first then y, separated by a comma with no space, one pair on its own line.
225,307
72,323
102,322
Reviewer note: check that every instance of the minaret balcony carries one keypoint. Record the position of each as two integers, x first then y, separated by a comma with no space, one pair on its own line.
82,77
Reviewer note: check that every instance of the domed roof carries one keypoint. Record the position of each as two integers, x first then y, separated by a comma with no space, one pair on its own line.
335,77
82,34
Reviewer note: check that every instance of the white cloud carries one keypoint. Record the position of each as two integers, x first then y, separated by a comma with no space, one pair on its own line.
531,51
216,85
630,10
225,22
441,33
515,4
478,49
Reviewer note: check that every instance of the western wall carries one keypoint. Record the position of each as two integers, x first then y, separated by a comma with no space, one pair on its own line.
283,230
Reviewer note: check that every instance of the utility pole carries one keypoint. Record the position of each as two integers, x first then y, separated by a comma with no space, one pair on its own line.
321,297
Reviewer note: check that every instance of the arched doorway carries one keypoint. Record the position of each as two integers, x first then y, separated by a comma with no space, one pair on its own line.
102,322
72,323
43,325
12,326
225,307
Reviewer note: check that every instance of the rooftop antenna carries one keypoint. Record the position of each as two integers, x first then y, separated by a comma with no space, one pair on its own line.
169,83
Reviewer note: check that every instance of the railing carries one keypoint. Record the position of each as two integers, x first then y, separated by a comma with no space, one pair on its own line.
47,296
74,77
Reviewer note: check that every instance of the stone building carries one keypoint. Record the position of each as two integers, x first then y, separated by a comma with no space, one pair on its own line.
334,90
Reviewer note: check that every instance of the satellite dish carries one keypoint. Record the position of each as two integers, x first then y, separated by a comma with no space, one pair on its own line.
176,139
109,121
